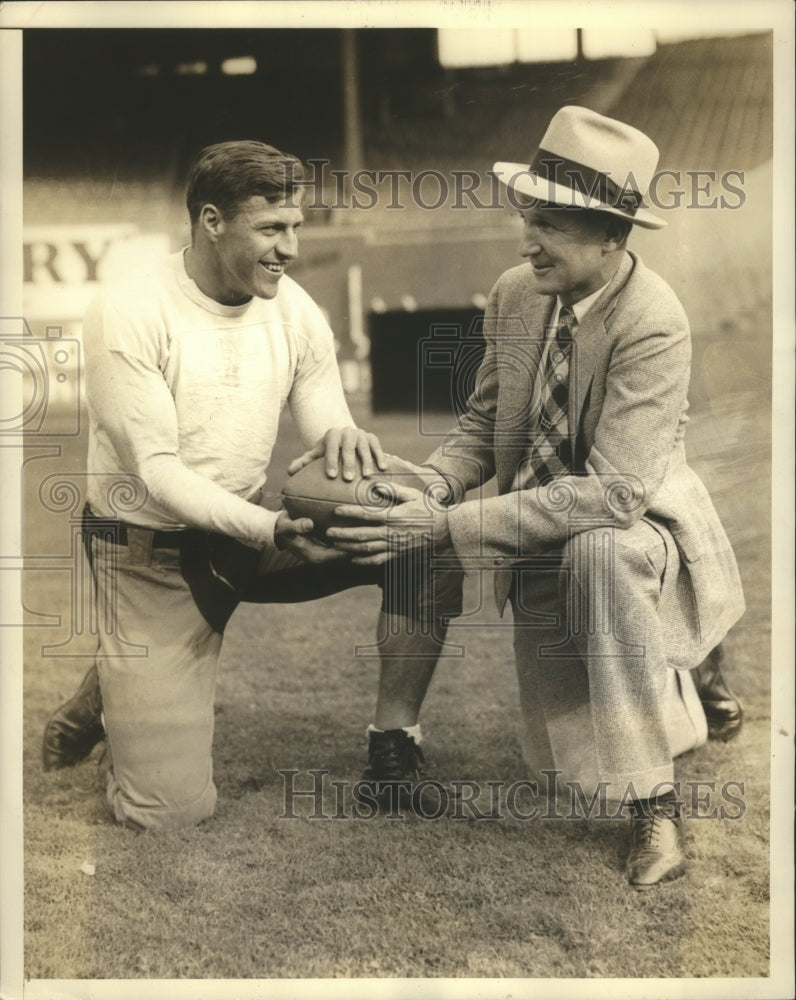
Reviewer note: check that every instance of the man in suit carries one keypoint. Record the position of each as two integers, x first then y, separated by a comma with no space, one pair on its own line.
605,542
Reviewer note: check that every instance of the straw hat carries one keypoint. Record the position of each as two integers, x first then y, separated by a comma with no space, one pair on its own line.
586,160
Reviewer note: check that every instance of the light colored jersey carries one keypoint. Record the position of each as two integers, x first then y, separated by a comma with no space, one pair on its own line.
185,394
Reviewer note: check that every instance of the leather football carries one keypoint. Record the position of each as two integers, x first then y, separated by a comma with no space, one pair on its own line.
311,493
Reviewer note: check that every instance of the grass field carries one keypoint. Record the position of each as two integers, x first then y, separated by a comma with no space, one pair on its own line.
251,895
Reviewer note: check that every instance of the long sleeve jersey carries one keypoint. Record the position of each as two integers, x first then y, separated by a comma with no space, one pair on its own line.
185,394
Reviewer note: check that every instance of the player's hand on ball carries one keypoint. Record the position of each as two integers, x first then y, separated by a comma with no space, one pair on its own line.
357,451
413,521
310,493
295,536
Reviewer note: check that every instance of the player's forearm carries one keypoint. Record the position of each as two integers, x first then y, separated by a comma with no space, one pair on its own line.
318,404
197,502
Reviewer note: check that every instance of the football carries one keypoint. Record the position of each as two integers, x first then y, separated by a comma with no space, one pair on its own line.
311,493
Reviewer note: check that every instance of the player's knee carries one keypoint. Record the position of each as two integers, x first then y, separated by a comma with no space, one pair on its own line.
159,809
417,591
165,817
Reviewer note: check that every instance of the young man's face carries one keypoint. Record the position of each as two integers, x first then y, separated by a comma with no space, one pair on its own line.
256,244
566,250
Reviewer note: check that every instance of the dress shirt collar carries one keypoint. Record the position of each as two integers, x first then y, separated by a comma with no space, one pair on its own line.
579,308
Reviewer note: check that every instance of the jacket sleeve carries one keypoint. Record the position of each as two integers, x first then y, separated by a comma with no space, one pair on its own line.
634,441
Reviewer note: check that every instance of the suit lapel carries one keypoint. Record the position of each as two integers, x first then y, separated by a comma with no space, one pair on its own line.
591,342
521,349
521,352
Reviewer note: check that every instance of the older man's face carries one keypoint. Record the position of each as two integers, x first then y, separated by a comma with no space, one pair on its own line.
567,252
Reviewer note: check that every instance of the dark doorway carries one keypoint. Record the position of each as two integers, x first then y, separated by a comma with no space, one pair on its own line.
425,361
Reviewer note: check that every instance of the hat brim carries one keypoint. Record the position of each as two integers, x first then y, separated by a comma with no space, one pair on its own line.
519,178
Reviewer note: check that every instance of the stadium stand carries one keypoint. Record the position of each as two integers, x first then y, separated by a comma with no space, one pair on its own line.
110,144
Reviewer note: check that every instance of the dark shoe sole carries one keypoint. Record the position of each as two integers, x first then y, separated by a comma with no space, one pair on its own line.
674,873
724,731
74,728
72,752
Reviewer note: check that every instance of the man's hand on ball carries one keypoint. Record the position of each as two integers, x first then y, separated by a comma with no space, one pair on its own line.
294,536
413,521
348,446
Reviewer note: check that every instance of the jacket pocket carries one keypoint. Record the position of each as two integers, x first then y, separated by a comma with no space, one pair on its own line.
689,543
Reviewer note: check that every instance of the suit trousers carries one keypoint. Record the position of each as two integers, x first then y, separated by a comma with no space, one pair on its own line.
598,699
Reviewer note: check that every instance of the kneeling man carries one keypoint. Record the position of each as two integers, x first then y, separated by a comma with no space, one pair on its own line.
604,540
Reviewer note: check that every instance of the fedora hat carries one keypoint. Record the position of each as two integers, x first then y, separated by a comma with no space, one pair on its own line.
586,160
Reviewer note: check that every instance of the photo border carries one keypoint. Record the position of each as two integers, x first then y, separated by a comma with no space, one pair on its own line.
17,17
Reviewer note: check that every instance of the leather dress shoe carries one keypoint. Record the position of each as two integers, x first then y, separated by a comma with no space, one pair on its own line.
76,727
657,848
722,709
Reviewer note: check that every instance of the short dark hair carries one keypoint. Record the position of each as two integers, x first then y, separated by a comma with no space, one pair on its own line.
228,173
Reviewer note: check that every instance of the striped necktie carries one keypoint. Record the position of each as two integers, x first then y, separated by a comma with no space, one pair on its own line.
544,459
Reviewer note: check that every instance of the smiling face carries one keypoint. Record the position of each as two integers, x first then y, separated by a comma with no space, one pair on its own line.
570,253
252,247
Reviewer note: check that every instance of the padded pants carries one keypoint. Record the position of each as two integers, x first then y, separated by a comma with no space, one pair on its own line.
158,660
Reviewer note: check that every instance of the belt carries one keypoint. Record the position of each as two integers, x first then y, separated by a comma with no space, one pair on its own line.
160,539
117,531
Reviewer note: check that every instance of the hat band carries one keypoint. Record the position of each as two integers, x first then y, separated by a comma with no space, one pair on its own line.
585,180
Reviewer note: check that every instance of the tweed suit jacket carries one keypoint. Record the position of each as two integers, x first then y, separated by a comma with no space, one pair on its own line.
629,374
